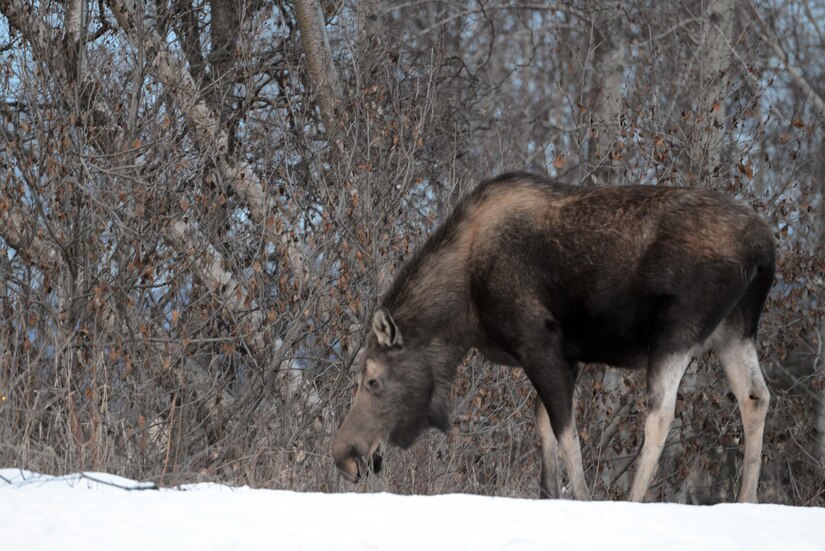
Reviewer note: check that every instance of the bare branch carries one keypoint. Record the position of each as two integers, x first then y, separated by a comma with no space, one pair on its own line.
22,17
795,72
205,122
24,239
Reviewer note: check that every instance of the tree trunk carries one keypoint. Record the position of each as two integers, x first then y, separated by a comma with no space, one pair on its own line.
187,27
224,33
321,69
706,164
707,152
605,142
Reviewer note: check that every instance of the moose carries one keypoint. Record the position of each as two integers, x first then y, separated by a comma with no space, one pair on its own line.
543,275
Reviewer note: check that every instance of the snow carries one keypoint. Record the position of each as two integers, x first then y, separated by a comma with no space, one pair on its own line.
102,511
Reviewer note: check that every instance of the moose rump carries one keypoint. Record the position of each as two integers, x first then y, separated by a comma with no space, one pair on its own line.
543,276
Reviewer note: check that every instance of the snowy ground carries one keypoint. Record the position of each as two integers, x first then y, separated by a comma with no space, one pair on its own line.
101,511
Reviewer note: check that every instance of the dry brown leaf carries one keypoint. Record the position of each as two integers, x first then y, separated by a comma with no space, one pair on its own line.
559,162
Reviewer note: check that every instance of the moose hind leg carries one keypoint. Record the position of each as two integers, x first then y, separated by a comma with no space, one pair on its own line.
741,364
664,376
549,483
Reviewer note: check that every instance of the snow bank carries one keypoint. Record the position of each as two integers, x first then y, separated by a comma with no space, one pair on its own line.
101,511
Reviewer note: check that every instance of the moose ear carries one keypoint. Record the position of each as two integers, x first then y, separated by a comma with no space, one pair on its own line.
385,329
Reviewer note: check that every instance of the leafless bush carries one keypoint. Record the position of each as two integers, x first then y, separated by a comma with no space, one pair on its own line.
196,218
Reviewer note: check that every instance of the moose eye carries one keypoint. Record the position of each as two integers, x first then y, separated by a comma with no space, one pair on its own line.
373,385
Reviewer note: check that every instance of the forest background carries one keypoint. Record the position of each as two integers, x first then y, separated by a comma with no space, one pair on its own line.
202,201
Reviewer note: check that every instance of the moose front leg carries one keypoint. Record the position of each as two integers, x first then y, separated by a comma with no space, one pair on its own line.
549,483
571,452
510,326
556,423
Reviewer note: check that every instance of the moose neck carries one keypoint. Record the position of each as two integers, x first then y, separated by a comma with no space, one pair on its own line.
430,299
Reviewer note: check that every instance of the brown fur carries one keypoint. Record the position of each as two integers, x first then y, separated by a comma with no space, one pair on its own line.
544,275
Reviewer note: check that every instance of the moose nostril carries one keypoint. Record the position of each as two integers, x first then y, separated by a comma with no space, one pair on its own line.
377,461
